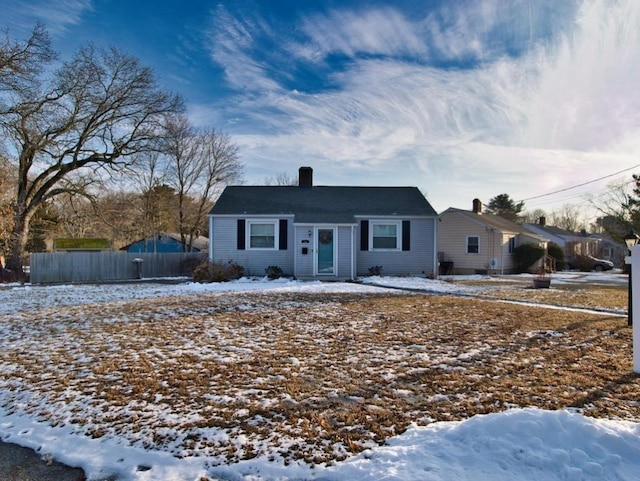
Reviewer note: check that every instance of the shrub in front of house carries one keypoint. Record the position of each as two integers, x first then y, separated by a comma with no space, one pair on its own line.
375,271
525,255
217,272
188,266
273,272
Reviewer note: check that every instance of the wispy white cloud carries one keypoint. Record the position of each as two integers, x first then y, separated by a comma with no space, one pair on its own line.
380,31
58,16
586,94
540,96
233,44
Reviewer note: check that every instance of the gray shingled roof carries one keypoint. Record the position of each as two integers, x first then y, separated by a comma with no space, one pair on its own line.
555,231
323,204
500,223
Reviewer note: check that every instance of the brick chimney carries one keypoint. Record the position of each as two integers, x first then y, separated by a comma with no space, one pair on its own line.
305,177
477,206
542,221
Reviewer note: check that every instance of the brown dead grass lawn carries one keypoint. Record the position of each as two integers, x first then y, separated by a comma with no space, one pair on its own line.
312,377
612,297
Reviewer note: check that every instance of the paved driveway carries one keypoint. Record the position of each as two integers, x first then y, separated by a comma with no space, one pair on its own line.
23,464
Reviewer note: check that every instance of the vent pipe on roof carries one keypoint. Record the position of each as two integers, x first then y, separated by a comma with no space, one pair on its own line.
305,177
543,220
477,206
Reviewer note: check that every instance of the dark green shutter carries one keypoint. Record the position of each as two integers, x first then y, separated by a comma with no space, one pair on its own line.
283,235
364,235
241,235
406,235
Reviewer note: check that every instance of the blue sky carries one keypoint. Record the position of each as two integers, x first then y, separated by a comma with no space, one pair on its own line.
461,98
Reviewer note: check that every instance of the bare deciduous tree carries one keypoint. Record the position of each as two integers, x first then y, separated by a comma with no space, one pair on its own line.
281,178
533,217
568,218
7,187
22,62
93,115
199,163
118,217
615,206
77,216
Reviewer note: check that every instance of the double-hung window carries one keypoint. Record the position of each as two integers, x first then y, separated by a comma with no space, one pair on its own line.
385,235
262,234
473,244
512,245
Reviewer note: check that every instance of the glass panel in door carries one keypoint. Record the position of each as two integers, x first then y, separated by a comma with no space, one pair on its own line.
325,251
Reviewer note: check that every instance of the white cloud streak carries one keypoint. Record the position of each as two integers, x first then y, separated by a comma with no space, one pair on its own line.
383,31
562,108
58,16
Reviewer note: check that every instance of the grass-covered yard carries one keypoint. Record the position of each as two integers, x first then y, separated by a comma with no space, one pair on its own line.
312,377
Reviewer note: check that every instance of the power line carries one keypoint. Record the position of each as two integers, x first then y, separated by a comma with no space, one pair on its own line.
580,185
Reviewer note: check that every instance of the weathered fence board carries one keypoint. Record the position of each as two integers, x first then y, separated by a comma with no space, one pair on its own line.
109,266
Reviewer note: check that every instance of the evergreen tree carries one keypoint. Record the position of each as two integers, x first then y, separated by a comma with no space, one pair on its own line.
504,206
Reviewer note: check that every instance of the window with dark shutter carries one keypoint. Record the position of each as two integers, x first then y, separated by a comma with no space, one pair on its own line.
241,235
406,235
364,235
283,235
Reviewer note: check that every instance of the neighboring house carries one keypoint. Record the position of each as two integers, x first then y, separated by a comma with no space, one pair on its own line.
167,242
471,242
324,232
610,250
572,244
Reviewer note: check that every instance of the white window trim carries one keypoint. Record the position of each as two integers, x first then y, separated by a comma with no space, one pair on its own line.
397,223
276,234
466,246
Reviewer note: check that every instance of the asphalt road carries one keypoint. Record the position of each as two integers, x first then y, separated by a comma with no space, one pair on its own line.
23,464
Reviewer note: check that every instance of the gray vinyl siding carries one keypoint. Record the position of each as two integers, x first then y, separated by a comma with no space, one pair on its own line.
345,245
224,248
304,262
419,260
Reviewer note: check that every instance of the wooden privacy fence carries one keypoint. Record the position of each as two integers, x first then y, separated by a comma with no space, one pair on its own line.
109,266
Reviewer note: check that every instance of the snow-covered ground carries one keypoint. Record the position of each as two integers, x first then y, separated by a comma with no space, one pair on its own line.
519,444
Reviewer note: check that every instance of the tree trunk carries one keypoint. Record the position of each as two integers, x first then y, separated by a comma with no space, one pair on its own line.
18,244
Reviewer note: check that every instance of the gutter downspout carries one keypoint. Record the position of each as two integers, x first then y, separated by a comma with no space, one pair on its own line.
502,256
295,250
353,248
436,270
210,238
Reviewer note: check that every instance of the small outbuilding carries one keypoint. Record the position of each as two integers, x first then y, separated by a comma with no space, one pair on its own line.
167,243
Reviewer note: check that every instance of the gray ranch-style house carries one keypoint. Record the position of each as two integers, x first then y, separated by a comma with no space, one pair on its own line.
324,232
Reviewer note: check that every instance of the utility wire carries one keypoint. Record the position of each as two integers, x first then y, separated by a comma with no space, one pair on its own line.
580,185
